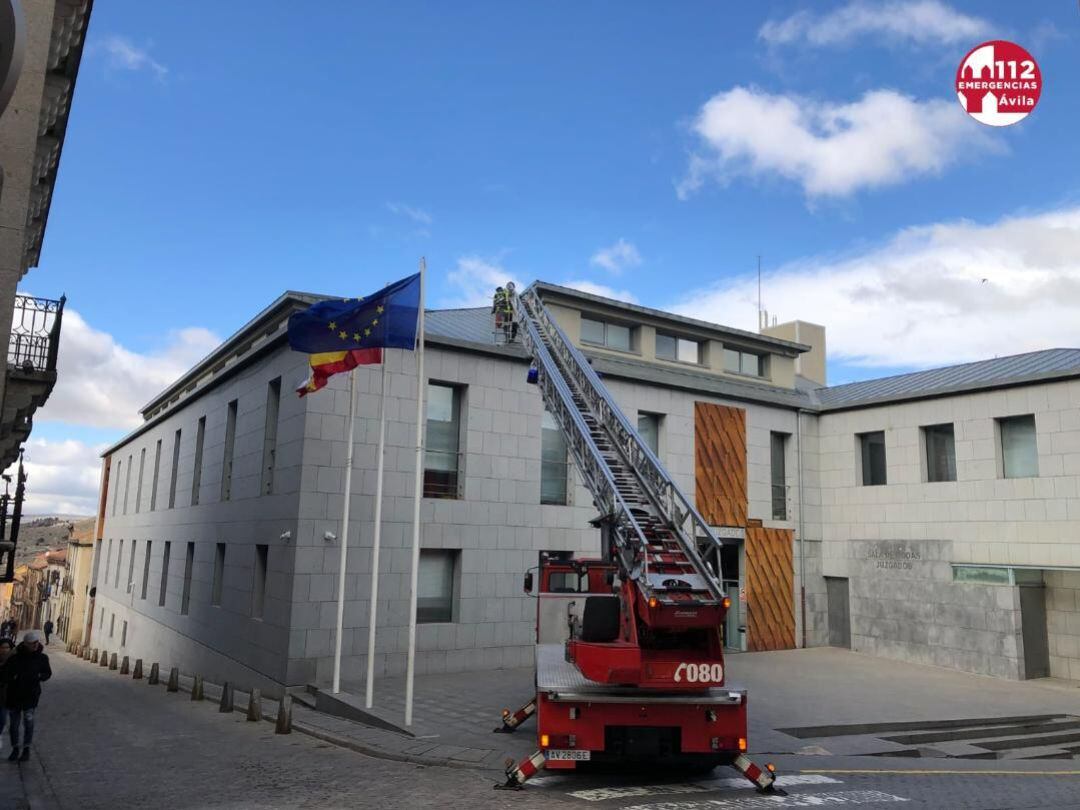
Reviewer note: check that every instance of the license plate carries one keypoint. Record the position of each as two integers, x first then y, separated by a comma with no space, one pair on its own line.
569,755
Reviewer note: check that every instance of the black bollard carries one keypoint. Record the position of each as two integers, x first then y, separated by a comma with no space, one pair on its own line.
174,680
254,711
154,678
284,716
226,705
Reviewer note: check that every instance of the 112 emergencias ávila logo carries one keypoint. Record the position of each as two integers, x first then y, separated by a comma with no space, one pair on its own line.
998,83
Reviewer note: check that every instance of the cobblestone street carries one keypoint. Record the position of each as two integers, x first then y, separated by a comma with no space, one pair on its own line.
104,740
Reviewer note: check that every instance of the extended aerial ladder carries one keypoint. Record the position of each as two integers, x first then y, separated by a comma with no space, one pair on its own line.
629,646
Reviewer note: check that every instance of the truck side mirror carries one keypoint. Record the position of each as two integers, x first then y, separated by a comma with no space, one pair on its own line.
528,582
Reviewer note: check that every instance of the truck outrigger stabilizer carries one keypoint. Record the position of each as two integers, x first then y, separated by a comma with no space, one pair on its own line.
517,775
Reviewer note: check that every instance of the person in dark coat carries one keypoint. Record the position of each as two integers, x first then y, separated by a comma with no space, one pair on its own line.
22,674
7,649
48,628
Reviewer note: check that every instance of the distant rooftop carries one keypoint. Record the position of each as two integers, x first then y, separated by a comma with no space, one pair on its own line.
1000,372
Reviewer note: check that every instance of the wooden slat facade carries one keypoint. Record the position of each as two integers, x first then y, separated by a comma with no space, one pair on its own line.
720,463
770,589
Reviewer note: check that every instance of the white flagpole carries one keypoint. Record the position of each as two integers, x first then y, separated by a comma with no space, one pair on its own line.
375,543
420,389
344,538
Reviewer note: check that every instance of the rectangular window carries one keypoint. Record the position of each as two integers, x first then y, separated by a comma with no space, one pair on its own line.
97,565
442,441
939,445
165,572
230,441
273,401
127,483
175,469
146,569
138,489
131,566
435,588
219,574
116,494
872,455
108,562
123,635
740,362
196,476
1019,454
610,335
258,588
592,331
119,558
982,575
189,564
777,452
553,462
112,625
669,347
157,470
648,427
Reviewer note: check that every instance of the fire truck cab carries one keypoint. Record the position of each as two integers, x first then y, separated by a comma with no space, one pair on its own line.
691,720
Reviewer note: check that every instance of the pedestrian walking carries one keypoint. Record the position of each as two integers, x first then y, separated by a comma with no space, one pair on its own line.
7,647
22,675
48,630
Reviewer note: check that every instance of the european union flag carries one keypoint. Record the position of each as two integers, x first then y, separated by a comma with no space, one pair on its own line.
386,319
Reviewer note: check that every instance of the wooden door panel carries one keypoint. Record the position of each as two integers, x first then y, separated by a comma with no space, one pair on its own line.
770,589
720,463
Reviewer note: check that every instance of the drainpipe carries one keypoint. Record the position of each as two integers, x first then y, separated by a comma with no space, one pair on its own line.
802,539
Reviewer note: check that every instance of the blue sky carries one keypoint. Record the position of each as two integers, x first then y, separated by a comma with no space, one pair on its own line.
220,153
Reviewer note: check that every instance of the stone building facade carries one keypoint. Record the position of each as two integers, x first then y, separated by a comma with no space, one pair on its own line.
219,525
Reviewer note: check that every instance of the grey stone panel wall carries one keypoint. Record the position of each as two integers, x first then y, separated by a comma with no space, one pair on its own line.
904,605
1063,623
498,526
226,638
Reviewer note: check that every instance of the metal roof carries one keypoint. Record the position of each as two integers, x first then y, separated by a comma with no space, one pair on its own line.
999,372
473,324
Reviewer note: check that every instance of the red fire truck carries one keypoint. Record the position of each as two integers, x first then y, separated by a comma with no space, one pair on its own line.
629,646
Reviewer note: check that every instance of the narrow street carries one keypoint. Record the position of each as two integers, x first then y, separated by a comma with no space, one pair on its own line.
106,741
103,740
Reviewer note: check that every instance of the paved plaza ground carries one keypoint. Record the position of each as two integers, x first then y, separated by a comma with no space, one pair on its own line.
105,740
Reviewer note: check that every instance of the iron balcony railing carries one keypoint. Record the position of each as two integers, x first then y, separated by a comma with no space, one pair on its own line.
35,333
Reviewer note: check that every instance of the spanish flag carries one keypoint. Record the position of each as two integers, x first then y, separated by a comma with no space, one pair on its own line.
343,333
325,365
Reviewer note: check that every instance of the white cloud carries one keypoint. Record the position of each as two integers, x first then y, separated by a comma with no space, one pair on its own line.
918,21
617,257
63,477
601,289
472,283
921,299
418,215
829,149
102,384
123,54
474,280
